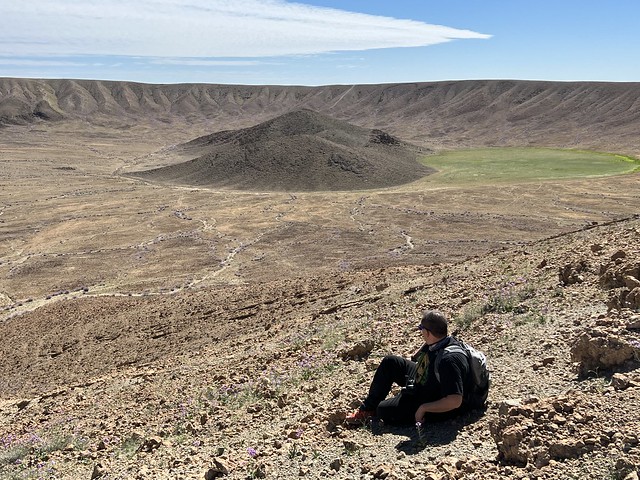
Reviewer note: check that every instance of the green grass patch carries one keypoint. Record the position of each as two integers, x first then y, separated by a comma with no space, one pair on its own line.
512,165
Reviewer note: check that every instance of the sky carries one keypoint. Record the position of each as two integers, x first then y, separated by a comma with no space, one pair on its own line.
320,42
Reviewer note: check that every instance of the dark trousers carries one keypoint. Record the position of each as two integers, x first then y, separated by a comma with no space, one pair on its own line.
400,409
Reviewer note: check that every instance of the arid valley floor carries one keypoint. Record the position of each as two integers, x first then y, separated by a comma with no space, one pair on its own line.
154,330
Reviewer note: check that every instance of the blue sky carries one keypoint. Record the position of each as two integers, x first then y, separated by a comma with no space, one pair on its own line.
320,42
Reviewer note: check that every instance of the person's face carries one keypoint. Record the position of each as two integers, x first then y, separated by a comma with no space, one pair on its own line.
426,334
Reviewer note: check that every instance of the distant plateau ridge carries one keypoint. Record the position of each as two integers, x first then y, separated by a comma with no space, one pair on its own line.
450,114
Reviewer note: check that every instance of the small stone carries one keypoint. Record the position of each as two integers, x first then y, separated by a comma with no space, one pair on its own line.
220,468
506,405
433,475
631,282
566,448
579,418
143,472
358,351
371,364
350,445
465,300
559,420
542,460
260,471
87,455
150,444
618,254
336,464
335,419
382,471
619,381
98,471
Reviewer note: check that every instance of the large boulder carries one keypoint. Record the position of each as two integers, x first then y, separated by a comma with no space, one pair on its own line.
358,351
573,272
622,277
542,430
598,350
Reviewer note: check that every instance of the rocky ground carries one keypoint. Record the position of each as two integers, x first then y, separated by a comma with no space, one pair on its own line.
145,335
249,382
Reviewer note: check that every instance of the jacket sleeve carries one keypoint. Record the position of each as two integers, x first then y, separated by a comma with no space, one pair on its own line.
453,369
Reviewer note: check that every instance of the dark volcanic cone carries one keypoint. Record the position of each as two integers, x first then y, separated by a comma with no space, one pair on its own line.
299,151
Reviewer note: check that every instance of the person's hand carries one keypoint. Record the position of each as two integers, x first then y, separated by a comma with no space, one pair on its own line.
420,413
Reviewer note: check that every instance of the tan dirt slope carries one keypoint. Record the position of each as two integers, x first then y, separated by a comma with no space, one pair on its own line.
192,384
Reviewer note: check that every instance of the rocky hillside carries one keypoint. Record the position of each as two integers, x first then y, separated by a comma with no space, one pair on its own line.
254,378
298,151
601,116
247,382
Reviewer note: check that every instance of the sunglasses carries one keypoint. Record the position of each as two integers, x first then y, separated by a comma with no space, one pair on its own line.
422,327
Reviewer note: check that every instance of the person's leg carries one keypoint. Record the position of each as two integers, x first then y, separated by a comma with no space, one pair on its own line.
399,410
392,369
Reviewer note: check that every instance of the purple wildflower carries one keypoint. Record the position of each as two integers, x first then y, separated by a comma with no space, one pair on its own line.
34,438
8,440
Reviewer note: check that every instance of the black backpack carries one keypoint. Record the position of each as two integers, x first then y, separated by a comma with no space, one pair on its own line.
478,371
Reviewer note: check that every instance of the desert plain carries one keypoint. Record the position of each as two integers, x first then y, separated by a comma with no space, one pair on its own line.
160,328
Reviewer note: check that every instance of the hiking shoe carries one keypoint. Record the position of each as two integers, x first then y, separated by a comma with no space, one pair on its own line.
359,417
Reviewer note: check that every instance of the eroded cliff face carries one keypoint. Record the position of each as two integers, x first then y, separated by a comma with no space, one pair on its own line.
448,114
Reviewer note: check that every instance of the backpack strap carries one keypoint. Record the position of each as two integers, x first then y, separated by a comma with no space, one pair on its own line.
452,348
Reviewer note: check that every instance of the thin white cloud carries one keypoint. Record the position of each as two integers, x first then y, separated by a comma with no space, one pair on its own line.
207,63
203,28
17,62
